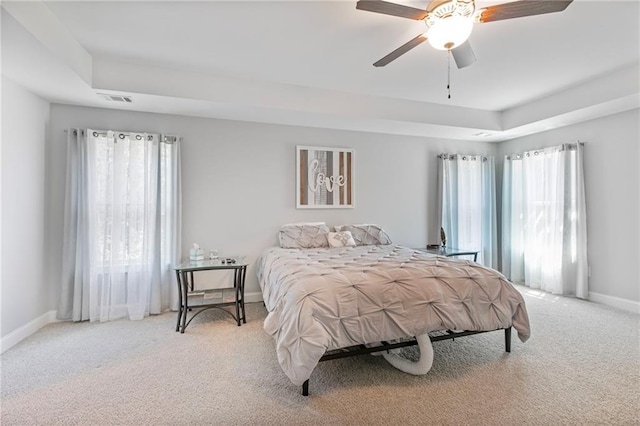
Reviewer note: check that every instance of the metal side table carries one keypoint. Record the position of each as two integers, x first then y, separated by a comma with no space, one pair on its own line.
209,298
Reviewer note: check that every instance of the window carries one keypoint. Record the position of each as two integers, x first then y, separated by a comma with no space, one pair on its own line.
467,202
123,224
544,220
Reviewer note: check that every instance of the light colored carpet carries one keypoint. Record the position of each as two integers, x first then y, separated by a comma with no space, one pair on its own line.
581,366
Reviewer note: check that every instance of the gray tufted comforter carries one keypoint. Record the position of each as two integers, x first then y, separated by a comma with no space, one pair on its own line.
329,298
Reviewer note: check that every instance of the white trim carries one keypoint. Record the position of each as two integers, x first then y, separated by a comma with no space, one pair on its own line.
616,302
253,297
21,333
43,24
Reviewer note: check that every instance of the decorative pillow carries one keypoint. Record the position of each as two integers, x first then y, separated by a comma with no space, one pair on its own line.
304,235
341,239
366,234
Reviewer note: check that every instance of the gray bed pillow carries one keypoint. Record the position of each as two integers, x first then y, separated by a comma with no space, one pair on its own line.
312,235
366,234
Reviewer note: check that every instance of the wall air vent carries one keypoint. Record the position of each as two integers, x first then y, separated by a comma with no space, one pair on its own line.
116,98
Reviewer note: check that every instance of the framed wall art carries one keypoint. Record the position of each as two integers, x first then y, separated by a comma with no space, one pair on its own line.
324,178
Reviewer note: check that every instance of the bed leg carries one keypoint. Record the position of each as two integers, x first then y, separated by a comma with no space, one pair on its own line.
305,388
507,339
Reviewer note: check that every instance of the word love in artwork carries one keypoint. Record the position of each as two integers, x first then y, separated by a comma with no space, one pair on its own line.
318,179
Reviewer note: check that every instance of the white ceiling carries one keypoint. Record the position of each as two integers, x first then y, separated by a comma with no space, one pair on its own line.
314,59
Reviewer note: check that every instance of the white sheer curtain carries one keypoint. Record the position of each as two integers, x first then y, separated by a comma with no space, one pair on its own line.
544,220
122,225
467,202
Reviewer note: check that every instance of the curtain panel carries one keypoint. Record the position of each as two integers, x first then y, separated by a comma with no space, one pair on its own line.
467,204
122,225
544,223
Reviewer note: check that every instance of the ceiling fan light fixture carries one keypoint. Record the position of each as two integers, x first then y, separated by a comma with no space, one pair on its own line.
449,33
449,22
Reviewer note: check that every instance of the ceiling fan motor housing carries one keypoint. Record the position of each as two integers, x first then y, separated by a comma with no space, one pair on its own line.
449,23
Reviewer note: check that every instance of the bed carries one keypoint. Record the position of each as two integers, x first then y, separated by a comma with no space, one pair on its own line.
320,299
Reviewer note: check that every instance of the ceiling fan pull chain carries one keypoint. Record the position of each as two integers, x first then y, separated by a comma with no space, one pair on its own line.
448,74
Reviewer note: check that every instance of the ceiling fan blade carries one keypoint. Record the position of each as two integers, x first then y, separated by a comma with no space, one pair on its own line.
400,51
522,8
393,9
464,55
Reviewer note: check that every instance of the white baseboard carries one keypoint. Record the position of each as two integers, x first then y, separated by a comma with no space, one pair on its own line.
21,333
252,297
616,302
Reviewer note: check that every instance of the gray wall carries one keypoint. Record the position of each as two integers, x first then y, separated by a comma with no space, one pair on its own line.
612,181
239,179
26,289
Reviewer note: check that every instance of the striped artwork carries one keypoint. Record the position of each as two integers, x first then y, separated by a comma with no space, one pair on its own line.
324,177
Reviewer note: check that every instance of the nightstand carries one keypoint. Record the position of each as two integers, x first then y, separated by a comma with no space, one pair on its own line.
190,298
451,252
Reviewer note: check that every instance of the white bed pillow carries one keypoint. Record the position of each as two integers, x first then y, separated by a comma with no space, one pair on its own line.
304,235
366,234
341,239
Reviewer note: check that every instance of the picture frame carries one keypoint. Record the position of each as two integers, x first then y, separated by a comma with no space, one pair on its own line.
325,178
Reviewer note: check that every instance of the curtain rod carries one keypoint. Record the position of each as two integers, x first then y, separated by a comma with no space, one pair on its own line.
561,147
122,135
464,157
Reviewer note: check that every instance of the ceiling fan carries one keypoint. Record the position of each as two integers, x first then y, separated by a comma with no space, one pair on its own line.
450,22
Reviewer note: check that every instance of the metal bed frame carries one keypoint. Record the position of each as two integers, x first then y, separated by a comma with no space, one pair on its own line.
386,346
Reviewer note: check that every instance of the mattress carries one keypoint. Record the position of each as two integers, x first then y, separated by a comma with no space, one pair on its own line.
328,298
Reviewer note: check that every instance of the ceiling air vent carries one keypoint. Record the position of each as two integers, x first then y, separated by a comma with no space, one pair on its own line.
116,98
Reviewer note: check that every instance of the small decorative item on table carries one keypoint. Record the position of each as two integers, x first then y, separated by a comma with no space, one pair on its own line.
196,254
